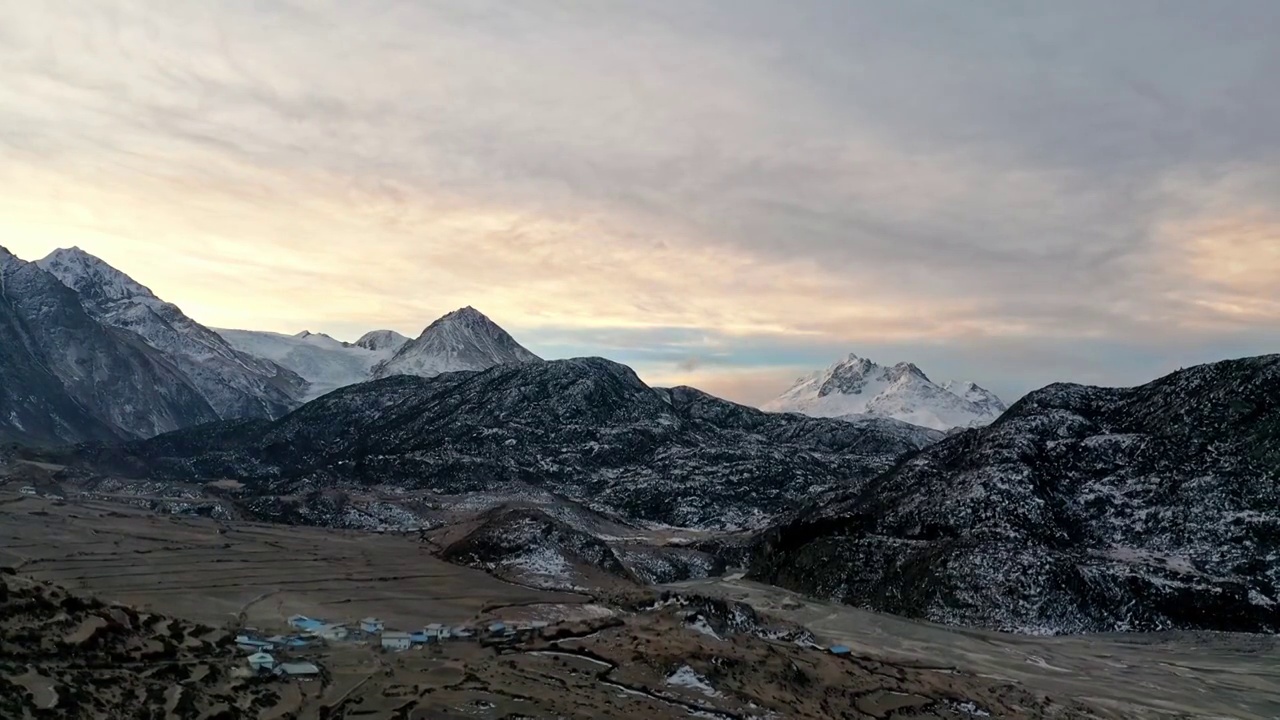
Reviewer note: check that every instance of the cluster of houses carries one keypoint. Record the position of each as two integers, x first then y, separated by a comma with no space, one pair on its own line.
436,633
261,660
28,490
309,630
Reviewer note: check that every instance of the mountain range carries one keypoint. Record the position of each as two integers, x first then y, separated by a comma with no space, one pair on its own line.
855,387
90,354
586,428
1081,509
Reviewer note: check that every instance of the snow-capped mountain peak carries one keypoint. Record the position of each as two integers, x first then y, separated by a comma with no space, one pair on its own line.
855,387
95,280
379,340
464,339
321,339
234,384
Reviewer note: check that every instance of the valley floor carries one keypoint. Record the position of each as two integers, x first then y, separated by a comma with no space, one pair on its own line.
614,654
1212,675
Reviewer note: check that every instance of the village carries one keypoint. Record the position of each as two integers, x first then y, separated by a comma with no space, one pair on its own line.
280,655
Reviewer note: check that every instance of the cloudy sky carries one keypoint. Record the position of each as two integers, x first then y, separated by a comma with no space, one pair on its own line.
720,193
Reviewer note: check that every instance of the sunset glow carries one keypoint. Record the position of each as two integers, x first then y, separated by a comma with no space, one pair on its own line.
725,196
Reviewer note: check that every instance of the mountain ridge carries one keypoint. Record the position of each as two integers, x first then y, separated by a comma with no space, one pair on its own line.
235,384
90,380
855,386
586,428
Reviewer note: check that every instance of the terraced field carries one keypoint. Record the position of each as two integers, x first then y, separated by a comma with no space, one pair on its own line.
222,573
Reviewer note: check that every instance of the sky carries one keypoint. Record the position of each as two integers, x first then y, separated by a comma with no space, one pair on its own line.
725,194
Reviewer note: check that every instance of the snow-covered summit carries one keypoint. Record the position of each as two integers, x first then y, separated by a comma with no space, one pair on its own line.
857,386
233,383
977,395
321,339
382,340
89,275
464,339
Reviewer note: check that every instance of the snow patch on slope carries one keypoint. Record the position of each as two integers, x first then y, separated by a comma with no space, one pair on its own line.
687,677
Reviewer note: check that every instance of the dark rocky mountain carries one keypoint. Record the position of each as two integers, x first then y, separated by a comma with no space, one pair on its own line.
586,428
464,339
558,547
235,384
1080,509
67,377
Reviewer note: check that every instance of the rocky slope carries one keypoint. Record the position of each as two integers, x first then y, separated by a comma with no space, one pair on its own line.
586,428
66,656
235,384
462,340
857,387
530,546
68,377
1081,509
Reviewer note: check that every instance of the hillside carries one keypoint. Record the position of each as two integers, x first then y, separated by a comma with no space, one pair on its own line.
586,428
1081,509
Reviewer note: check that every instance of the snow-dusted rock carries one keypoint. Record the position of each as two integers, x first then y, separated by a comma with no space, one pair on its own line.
586,428
464,339
233,383
65,376
857,387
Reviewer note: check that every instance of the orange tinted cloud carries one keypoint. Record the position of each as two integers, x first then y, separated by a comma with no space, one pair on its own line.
1225,267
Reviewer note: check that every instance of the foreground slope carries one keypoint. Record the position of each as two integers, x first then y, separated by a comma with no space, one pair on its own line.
235,384
1081,509
858,387
69,377
68,656
587,428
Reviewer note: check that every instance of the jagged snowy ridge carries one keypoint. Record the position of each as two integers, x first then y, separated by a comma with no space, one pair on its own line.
857,387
